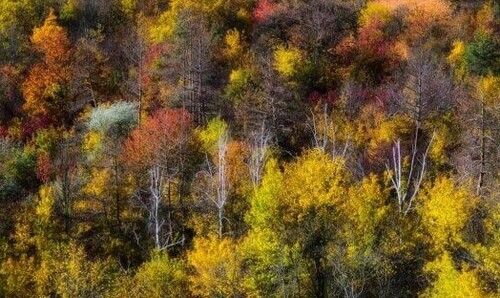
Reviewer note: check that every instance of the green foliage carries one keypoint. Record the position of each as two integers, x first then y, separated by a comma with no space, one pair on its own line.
482,56
17,171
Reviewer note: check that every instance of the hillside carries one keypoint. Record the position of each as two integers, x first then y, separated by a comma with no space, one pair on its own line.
249,148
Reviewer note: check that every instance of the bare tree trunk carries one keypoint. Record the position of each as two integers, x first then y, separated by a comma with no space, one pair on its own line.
482,154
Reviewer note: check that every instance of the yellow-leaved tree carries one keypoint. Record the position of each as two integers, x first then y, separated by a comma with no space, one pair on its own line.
217,268
450,281
445,209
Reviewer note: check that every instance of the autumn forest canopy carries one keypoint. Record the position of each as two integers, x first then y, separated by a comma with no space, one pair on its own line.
249,148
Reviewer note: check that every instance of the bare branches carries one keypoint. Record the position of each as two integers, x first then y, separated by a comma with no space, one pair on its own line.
259,144
407,189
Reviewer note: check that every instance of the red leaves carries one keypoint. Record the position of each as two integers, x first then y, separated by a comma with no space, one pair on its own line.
316,98
161,135
263,10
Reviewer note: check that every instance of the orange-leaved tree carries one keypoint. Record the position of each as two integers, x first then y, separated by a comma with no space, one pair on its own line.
46,89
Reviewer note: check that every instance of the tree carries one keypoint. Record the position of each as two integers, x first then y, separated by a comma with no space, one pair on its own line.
450,281
445,209
46,88
217,268
159,277
160,145
483,55
274,268
214,182
487,94
316,186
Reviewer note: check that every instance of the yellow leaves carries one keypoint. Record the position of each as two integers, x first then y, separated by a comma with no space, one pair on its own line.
234,44
485,18
488,252
92,143
314,182
181,11
210,136
216,264
287,61
160,277
456,58
65,271
488,89
163,28
364,209
374,11
99,183
445,209
446,135
45,207
128,6
18,276
265,202
450,281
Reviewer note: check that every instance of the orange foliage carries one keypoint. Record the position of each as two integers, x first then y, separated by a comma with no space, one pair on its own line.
239,176
160,136
44,89
43,167
420,15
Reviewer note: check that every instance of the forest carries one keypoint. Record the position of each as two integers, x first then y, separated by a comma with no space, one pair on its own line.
249,148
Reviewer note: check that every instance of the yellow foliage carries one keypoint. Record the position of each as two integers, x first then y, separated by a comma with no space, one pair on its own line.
314,182
234,44
45,207
364,209
217,268
23,237
485,18
181,11
489,251
210,137
18,276
160,277
450,281
445,210
128,6
488,90
287,61
374,11
456,58
92,143
445,136
99,183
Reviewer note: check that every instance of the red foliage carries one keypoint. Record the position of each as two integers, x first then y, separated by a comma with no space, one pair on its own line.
160,136
36,123
149,69
263,10
316,98
3,132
